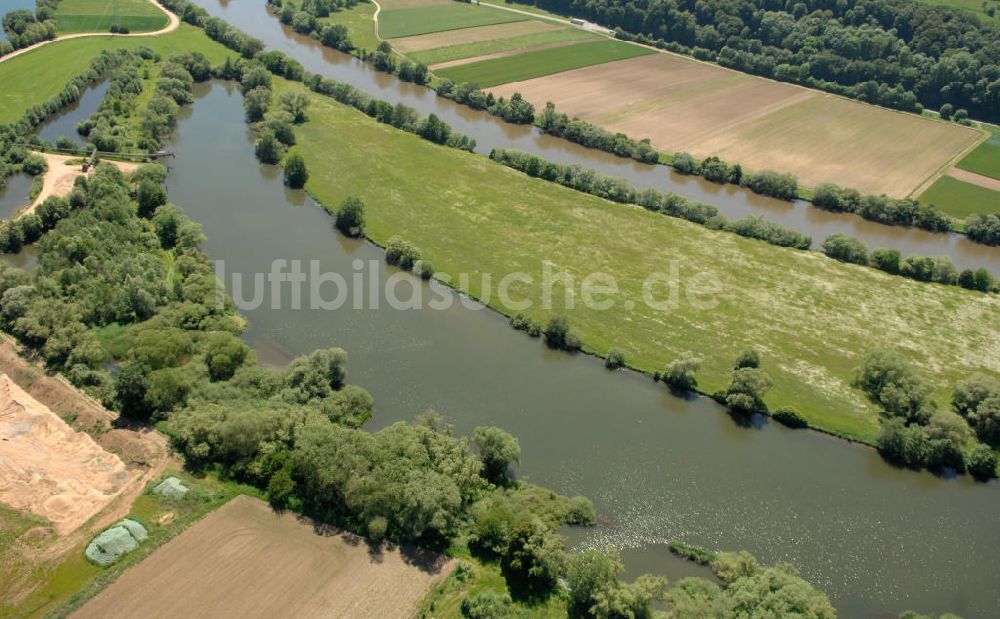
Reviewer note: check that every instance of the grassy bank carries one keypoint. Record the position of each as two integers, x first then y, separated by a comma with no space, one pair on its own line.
99,15
36,76
812,318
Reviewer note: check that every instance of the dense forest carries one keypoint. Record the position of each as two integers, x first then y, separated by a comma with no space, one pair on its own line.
903,54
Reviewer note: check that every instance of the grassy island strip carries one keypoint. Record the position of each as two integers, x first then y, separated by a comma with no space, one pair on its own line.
812,318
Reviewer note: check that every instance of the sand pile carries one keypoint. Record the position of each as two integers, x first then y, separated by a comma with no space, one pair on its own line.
49,469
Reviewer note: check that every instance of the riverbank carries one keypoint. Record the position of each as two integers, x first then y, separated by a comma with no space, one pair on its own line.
812,318
658,467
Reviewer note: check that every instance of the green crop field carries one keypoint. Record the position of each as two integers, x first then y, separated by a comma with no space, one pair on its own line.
528,65
985,159
471,50
36,76
99,15
396,23
812,318
960,199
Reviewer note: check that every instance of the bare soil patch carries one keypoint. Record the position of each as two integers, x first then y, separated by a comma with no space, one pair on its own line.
245,560
476,34
975,179
685,105
49,469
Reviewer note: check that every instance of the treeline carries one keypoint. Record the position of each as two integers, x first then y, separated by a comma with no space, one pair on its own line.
903,54
401,116
173,89
25,28
586,134
916,433
619,190
881,209
937,269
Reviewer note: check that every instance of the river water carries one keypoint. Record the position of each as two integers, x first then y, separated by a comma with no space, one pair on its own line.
251,16
877,539
64,123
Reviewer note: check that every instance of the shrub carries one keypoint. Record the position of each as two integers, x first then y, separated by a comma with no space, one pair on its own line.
498,451
692,553
749,358
559,336
268,148
746,390
423,269
892,382
523,323
790,417
685,163
615,359
846,249
888,260
401,253
680,373
296,173
351,216
489,605
983,462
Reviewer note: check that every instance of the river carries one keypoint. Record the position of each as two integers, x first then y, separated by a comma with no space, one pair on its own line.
63,124
877,539
490,132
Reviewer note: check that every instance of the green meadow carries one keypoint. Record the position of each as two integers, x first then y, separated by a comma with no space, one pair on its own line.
812,318
99,15
396,23
539,63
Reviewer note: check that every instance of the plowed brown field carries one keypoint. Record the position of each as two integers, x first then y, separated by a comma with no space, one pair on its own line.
686,105
244,560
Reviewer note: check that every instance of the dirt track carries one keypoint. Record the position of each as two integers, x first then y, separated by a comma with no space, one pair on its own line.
685,105
476,34
244,560
173,22
975,179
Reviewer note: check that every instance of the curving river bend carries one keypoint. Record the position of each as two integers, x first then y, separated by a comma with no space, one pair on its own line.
877,539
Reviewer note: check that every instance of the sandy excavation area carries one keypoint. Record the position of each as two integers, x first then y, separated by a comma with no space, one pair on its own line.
61,174
245,560
685,105
49,469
